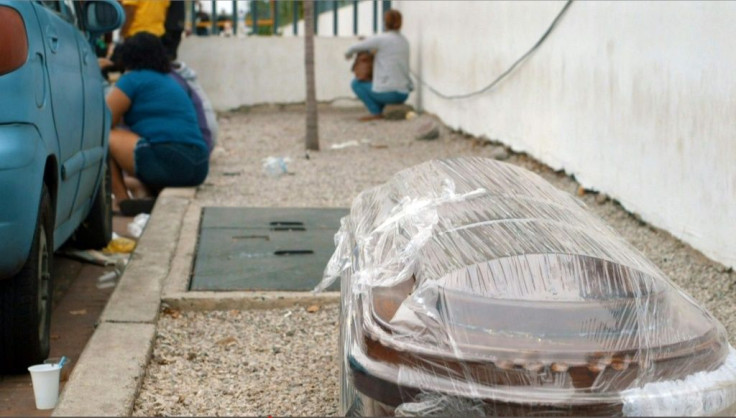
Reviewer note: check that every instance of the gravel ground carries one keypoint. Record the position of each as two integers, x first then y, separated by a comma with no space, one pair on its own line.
243,363
283,362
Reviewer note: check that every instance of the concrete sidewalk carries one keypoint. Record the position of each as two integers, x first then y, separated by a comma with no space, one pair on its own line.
107,377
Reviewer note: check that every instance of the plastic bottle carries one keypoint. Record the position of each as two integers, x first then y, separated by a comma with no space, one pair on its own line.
136,227
275,166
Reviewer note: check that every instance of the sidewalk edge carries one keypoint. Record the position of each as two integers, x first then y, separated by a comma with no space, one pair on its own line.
107,377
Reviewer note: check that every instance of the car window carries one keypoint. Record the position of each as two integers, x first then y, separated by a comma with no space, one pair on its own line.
70,11
63,8
51,4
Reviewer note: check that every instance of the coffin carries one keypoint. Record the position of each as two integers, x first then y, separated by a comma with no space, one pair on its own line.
473,287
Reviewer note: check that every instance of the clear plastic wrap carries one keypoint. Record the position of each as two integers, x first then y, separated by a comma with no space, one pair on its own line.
475,287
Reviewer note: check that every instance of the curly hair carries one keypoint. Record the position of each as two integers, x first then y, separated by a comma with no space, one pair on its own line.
144,51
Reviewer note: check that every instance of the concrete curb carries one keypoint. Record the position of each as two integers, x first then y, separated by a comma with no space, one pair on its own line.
109,372
106,379
176,293
219,301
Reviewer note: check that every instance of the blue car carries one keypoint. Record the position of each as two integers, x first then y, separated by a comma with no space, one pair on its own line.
54,180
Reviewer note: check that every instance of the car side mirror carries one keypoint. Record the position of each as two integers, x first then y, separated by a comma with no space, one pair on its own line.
102,16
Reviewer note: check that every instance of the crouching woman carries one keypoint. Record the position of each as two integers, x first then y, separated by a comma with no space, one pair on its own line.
162,145
391,82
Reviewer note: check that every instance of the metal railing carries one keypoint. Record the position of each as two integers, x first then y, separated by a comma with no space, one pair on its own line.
268,17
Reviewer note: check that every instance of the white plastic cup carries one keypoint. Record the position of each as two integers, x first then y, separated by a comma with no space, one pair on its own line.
45,379
66,369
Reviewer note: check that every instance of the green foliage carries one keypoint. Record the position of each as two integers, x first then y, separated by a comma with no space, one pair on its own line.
285,12
265,11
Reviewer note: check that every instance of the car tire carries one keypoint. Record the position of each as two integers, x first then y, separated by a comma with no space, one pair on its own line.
26,299
96,230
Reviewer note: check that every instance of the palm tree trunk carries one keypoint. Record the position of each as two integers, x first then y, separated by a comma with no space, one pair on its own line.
312,138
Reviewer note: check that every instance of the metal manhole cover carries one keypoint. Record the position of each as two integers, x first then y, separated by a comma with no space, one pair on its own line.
264,248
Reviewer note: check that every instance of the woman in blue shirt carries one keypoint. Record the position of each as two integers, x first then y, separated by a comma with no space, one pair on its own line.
162,145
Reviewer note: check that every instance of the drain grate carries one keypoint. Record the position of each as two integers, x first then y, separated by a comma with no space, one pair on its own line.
264,248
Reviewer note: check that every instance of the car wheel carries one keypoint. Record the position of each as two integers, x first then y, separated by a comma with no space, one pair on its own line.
96,231
25,300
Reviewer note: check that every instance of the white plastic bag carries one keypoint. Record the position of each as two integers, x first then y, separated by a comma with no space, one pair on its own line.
275,166
136,227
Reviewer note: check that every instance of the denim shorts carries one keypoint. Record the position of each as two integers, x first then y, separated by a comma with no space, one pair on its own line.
170,164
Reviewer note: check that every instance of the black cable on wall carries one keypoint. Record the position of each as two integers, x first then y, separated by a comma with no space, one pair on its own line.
503,75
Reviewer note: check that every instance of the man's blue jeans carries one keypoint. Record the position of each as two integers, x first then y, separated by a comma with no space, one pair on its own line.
375,101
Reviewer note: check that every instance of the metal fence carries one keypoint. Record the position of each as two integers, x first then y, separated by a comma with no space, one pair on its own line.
271,17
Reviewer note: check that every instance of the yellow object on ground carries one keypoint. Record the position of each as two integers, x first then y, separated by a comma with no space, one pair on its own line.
119,245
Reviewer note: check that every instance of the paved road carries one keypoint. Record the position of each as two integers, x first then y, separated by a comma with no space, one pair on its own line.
78,301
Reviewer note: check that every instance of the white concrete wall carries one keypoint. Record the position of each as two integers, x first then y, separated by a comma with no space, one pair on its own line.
246,71
635,99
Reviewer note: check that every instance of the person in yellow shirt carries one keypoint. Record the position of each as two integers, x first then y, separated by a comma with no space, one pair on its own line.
144,16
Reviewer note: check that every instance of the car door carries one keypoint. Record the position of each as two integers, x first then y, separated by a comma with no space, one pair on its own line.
67,101
93,144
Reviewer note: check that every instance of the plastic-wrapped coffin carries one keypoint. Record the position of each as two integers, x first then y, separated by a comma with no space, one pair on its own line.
471,286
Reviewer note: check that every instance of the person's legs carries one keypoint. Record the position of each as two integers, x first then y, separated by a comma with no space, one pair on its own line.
382,99
122,157
375,102
171,40
389,97
171,164
137,188
363,89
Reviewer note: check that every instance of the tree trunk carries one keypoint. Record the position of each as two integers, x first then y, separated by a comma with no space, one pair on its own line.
312,138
